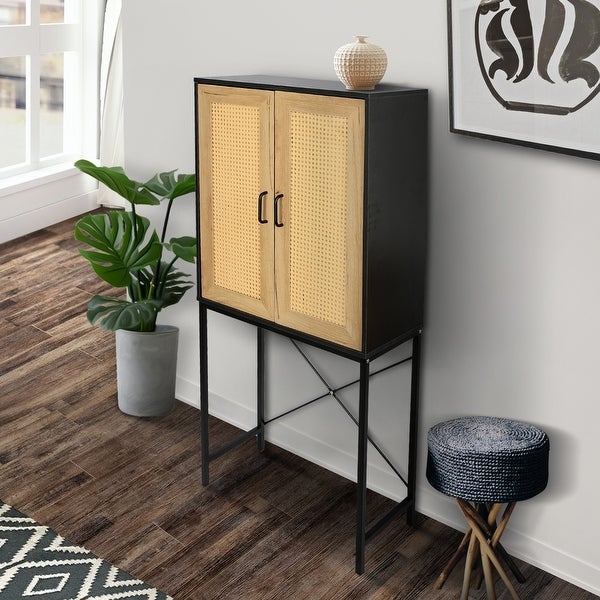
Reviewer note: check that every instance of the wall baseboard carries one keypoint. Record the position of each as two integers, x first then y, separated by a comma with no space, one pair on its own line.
430,503
24,221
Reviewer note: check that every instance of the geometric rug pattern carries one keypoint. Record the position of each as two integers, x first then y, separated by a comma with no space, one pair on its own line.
38,564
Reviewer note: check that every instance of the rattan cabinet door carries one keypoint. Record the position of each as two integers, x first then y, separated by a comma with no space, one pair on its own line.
319,172
235,153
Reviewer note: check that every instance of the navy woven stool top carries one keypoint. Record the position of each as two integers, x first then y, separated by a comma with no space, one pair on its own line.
487,459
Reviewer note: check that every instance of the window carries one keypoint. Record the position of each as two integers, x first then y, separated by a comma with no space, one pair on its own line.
49,90
42,97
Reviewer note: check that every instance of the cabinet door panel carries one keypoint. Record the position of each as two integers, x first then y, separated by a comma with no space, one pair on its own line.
319,166
236,165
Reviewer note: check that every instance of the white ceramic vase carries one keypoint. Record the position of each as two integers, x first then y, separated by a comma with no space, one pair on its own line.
360,65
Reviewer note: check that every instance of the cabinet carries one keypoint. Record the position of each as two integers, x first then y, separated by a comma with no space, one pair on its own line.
312,207
312,223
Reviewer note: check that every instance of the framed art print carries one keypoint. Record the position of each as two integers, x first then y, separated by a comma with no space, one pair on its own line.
526,72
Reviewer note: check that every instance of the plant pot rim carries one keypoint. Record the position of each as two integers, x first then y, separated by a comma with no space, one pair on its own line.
160,330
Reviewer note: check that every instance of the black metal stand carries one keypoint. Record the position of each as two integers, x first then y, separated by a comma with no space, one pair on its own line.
363,535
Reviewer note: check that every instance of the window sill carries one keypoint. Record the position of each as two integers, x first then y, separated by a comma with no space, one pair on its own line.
38,199
33,179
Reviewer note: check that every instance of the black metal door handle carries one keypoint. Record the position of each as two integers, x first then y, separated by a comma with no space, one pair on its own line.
260,207
278,197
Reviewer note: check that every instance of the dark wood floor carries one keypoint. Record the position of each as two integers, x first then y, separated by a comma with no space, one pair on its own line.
269,526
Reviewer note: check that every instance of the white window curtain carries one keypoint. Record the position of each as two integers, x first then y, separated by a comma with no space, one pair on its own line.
111,151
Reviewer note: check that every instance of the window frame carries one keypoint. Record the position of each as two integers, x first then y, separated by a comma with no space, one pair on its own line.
54,190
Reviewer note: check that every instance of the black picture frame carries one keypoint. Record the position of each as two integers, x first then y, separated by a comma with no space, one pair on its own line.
526,72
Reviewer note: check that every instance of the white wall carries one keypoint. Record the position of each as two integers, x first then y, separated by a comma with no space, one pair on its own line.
512,317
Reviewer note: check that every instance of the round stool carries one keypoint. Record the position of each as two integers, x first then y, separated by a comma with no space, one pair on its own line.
485,463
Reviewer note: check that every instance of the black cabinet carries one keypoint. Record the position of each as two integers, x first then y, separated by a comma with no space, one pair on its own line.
312,223
312,207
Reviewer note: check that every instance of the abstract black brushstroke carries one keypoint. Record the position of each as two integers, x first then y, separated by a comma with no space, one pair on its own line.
554,23
508,60
488,5
584,41
526,46
520,19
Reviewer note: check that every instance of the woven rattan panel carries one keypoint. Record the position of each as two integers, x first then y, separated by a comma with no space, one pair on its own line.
235,147
318,215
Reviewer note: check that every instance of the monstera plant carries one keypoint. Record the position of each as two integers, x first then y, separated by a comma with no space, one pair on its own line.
126,253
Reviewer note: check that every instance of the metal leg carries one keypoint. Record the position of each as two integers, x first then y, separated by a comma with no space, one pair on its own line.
362,535
414,425
260,388
204,445
361,479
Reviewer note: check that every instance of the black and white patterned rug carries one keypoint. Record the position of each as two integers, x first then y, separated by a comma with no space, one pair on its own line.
37,563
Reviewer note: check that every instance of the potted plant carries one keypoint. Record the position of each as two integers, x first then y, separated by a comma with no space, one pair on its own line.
129,255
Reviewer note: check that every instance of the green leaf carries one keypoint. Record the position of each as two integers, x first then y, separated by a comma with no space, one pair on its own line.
168,289
114,313
173,287
183,247
115,179
118,251
167,185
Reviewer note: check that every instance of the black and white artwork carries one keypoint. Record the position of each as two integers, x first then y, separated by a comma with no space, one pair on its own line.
527,71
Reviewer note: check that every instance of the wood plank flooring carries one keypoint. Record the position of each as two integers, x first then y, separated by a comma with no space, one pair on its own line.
269,526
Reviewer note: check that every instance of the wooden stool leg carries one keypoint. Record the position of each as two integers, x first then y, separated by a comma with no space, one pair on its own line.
471,554
495,541
476,522
460,551
490,514
488,575
483,537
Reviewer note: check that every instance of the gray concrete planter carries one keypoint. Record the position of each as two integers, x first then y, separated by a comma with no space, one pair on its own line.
146,370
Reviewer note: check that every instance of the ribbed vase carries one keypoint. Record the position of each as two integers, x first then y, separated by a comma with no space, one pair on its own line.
360,65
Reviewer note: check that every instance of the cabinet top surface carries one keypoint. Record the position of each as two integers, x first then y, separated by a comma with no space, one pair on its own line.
306,85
